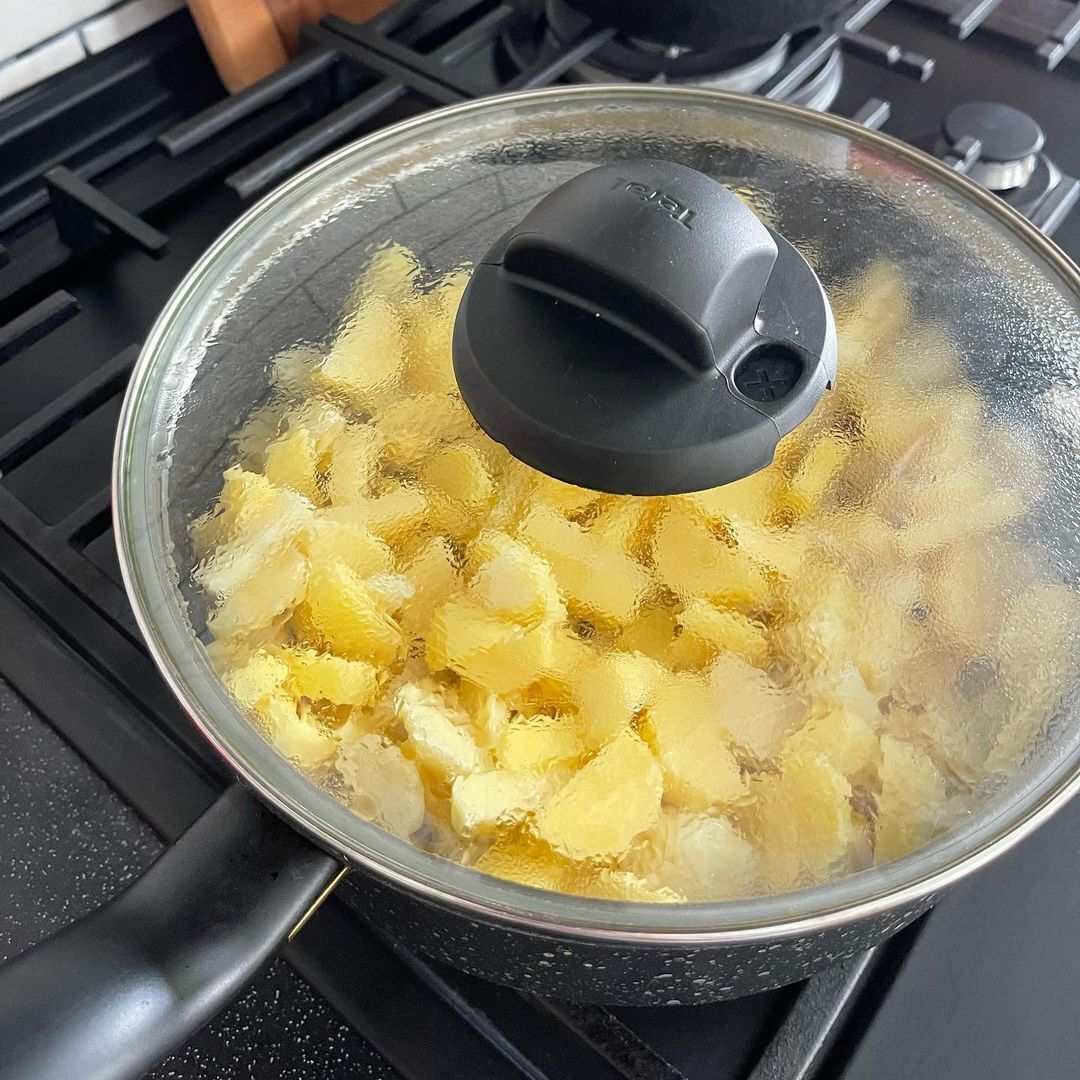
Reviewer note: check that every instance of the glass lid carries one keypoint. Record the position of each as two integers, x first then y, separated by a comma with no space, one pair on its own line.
757,692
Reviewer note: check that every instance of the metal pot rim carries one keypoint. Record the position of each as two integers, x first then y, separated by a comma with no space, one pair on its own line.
479,896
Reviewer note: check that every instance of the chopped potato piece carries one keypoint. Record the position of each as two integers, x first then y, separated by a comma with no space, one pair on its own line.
328,540
395,515
700,770
385,786
818,469
323,676
354,454
803,821
610,690
429,332
276,587
706,858
538,743
258,680
750,710
600,811
692,562
707,631
434,577
525,862
911,801
460,473
627,524
293,461
341,613
575,555
841,736
753,498
481,802
298,738
488,650
445,746
257,522
366,359
390,274
517,584
411,428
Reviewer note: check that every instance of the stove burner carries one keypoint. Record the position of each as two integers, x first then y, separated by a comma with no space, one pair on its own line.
627,59
1000,147
1003,143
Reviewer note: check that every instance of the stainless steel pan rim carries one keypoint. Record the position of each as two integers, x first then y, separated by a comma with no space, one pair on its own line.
476,895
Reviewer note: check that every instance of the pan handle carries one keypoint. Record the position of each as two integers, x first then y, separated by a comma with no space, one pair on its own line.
111,995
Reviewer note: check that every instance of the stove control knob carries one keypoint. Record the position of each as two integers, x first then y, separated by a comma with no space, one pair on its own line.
996,145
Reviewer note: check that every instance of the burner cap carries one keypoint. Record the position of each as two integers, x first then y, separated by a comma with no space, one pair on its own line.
1010,142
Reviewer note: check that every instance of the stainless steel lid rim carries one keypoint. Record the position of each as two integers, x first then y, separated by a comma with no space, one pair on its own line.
334,827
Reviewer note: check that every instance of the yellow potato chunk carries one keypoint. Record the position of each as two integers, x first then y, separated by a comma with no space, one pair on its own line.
606,805
395,515
843,737
273,589
692,562
439,736
301,739
365,362
782,553
460,473
707,632
610,690
411,428
341,612
429,332
481,802
539,743
384,785
488,712
256,520
817,471
911,801
434,577
259,679
354,455
751,499
652,632
293,461
803,821
323,676
329,540
750,710
390,274
516,584
584,566
562,497
700,770
626,524
525,862
606,883
706,858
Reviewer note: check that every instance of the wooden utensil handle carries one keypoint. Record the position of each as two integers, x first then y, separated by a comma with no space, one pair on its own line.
241,38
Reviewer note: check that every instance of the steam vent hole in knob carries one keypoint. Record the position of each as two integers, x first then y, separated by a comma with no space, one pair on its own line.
768,374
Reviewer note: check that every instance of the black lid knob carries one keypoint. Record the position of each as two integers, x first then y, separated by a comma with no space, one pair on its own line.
643,332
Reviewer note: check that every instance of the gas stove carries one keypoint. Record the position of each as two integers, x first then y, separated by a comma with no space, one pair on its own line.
114,176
